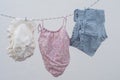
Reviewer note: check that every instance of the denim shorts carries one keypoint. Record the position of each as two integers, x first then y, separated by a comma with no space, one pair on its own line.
89,31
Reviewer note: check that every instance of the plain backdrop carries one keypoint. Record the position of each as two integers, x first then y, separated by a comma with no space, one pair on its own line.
104,65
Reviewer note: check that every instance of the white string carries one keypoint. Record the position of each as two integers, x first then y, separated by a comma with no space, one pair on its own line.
4,15
51,18
94,3
8,16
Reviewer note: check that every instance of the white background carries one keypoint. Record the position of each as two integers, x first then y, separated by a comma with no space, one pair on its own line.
104,65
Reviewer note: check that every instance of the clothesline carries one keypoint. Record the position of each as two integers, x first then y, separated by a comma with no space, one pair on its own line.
51,18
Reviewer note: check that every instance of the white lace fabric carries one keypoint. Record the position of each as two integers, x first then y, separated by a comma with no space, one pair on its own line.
21,39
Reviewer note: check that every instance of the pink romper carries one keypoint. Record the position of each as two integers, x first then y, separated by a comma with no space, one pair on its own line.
54,47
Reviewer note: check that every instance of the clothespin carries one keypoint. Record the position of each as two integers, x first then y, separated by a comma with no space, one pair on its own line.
25,18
